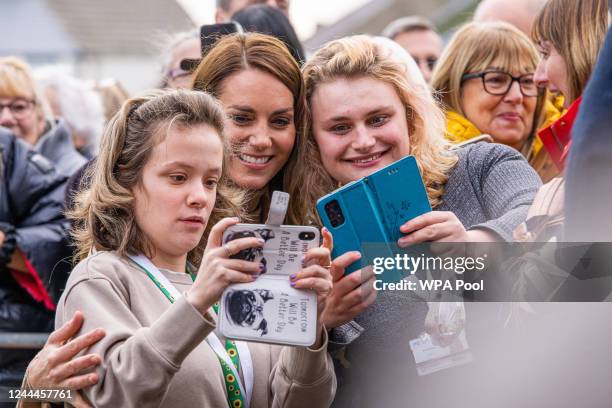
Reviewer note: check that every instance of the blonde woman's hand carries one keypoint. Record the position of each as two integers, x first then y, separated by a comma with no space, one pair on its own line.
434,226
351,294
217,271
445,228
56,366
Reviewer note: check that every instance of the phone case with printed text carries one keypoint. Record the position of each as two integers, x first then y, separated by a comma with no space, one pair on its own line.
269,310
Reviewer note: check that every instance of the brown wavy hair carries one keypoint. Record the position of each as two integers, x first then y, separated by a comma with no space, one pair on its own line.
104,215
577,29
239,52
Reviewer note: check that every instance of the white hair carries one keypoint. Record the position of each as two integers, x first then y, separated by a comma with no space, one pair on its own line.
79,104
398,54
167,43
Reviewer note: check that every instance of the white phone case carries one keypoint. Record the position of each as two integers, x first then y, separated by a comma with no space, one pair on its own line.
269,310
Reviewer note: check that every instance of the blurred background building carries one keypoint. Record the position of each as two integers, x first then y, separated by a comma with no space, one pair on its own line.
95,39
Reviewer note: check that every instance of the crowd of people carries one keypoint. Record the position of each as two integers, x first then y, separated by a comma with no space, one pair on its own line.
507,121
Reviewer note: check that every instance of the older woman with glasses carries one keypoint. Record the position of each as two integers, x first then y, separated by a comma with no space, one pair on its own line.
485,80
25,113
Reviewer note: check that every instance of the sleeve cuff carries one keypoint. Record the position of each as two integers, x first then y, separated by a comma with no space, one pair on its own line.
495,228
344,335
308,366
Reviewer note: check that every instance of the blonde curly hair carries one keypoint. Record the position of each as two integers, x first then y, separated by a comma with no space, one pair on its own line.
364,56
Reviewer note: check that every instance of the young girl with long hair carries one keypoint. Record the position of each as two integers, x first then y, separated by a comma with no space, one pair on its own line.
152,268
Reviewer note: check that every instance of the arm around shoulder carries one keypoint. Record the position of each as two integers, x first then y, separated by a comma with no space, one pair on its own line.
138,361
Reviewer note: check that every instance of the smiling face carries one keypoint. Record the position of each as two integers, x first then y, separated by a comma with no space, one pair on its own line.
507,118
177,191
359,125
259,124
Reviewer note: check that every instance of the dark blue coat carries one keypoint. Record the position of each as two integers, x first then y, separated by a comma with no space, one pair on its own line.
588,190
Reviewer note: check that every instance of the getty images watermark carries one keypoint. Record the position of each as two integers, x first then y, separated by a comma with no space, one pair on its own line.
408,266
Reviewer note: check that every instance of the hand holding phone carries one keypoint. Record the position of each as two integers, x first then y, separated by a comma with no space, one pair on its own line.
217,270
370,211
280,307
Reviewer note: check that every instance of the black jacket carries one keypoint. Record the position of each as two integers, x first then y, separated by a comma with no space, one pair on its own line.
31,205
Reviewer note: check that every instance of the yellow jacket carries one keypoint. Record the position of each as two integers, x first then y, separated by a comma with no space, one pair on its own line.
459,129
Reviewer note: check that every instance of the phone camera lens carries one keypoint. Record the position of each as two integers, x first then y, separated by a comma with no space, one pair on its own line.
306,236
334,213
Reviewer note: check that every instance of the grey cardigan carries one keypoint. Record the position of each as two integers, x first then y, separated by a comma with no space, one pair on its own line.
491,187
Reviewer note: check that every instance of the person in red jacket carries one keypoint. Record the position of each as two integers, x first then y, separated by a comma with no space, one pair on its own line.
569,52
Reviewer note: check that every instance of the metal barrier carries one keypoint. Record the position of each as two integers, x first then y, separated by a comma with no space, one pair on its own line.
23,340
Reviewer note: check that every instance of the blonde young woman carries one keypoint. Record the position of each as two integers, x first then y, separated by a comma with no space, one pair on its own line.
158,186
485,81
366,112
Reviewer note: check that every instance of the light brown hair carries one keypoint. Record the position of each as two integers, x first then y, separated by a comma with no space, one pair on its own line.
474,48
576,29
104,217
239,52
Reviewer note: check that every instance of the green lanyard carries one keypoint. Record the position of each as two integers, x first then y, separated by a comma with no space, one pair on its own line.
235,399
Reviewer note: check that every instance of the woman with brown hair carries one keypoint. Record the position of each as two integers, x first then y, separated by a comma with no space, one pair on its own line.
568,54
261,89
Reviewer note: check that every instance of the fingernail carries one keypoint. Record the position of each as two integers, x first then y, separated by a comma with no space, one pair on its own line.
292,283
261,241
324,229
255,276
292,276
262,267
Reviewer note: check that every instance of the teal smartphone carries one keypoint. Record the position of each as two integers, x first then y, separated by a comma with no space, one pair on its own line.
368,212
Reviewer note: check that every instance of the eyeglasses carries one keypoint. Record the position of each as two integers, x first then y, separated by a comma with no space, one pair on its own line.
499,82
19,108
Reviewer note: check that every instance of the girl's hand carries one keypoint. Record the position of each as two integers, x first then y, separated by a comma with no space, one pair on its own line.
434,226
217,271
55,366
351,294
